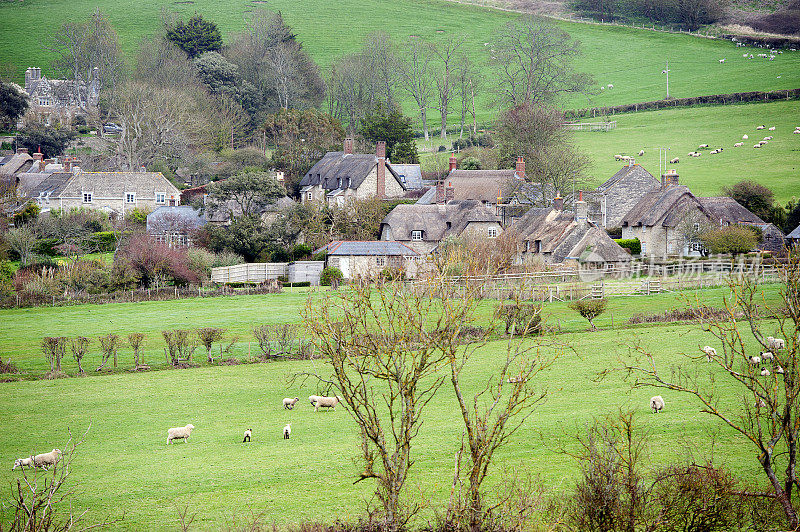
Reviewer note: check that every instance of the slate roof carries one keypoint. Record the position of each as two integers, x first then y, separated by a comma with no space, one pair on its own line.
663,207
483,185
624,172
16,163
729,210
339,170
368,248
435,221
794,235
410,175
116,184
52,185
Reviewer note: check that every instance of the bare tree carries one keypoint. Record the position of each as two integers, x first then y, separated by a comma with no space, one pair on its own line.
768,416
79,346
54,349
532,60
448,54
468,80
414,73
109,344
209,335
22,240
135,341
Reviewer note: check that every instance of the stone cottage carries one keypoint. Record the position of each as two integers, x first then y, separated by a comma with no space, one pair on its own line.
367,259
58,98
612,200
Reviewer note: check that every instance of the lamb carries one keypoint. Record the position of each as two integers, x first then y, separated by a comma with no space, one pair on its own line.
676,160
710,352
313,399
45,460
177,433
23,463
755,360
287,431
288,402
767,355
247,434
738,145
641,153
657,403
764,372
772,128
745,137
327,402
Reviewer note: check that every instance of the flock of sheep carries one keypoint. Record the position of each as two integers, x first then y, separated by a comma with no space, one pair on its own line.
45,460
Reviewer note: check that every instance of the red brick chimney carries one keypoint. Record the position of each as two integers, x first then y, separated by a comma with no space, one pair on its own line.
520,167
558,201
380,153
348,146
453,162
449,192
67,163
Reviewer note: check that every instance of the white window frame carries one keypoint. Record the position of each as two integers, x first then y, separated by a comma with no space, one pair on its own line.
644,248
310,196
380,260
696,226
130,197
416,235
493,232
88,197
161,197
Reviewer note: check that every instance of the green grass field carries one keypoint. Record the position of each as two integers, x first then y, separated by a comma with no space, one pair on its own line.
630,59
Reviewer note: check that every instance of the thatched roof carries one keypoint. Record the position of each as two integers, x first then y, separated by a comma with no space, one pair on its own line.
664,207
16,163
435,221
725,209
337,170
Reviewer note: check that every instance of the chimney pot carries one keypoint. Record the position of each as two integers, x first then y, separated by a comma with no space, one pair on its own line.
520,167
37,156
348,146
22,150
453,162
581,210
558,201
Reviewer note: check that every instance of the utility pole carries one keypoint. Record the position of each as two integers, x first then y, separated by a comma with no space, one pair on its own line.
666,71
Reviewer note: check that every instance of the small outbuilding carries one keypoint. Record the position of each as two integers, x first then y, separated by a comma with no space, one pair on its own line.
366,259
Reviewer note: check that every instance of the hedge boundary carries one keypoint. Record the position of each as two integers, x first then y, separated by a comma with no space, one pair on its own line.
713,99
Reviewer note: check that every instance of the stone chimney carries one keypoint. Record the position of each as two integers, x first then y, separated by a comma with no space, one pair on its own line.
37,156
22,150
348,146
520,167
453,162
449,192
581,210
67,164
440,192
558,201
380,153
670,178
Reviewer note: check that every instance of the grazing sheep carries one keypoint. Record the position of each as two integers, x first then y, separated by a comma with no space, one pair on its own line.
756,145
760,127
775,343
722,60
178,433
763,142
767,355
714,152
45,460
288,402
247,434
772,128
23,463
618,157
514,379
327,402
695,154
779,370
610,85
796,131
745,137
710,352
755,360
626,157
738,145
287,431
764,372
641,153
703,146
657,403
313,399
768,138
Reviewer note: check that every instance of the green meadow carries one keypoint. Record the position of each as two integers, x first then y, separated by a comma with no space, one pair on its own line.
630,59
125,466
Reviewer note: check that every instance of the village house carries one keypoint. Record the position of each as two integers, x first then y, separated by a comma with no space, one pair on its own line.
17,163
612,200
560,236
175,225
668,220
59,99
112,192
344,175
367,259
727,211
423,227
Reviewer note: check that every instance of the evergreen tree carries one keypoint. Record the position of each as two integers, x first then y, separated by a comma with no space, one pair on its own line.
395,129
196,36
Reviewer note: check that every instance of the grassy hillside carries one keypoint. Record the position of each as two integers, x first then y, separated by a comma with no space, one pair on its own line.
630,59
126,466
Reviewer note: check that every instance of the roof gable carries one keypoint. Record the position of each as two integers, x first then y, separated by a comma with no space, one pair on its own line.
337,170
663,206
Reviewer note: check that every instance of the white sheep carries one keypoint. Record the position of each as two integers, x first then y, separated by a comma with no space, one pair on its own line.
772,128
288,402
768,138
514,379
45,460
762,142
676,160
710,352
760,403
641,153
756,145
767,355
287,431
760,127
657,403
755,360
618,157
738,145
610,85
722,60
178,433
23,463
313,399
714,152
745,137
775,343
247,434
702,146
327,402
779,370
796,131
696,154
764,372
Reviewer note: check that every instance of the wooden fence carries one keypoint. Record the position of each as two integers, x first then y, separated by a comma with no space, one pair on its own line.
254,272
591,126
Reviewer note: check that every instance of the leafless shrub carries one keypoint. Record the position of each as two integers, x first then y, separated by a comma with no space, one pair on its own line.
520,318
109,344
186,344
54,349
286,335
79,346
680,314
171,351
7,367
265,336
135,341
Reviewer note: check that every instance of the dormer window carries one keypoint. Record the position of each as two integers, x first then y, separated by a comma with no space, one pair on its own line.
416,236
87,197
